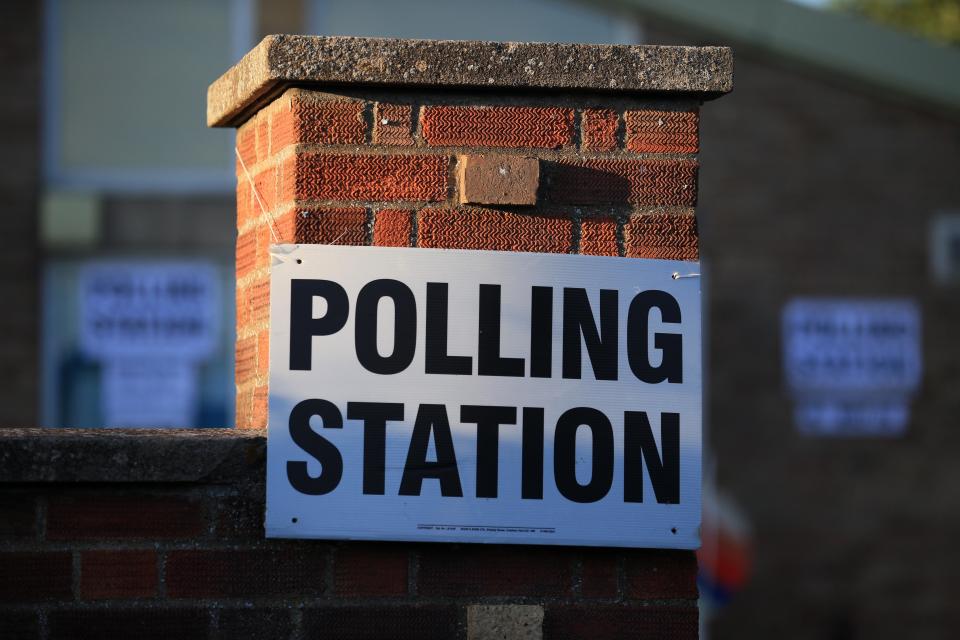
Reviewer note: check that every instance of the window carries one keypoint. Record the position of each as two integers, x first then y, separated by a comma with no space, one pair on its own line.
125,87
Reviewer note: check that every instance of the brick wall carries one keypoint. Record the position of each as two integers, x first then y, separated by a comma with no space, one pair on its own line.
618,177
169,544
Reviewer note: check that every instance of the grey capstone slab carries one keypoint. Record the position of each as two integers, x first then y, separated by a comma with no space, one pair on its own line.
131,455
280,61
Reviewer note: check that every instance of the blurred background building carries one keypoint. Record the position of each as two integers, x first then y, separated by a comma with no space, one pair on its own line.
830,172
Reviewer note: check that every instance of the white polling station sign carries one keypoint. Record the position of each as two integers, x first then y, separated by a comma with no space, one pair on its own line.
477,396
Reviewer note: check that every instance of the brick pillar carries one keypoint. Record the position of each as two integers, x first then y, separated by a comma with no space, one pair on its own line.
388,142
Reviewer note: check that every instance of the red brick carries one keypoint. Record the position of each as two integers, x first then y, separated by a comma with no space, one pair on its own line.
118,574
392,228
249,573
617,181
598,236
494,571
102,517
598,128
287,180
253,249
263,354
306,120
244,305
18,516
138,623
245,361
20,625
493,230
258,301
243,408
498,179
662,236
246,254
620,622
661,574
28,577
662,131
513,127
401,622
393,124
259,410
240,518
318,225
263,136
598,577
267,195
371,571
247,209
268,234
376,178
252,406
247,146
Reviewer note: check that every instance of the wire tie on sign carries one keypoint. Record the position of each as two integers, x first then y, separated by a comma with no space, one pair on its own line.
677,276
263,209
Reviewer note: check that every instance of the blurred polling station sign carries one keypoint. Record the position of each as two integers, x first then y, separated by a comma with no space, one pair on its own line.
477,396
852,365
144,309
150,324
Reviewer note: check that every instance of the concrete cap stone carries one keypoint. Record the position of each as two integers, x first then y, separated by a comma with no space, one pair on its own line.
280,61
33,455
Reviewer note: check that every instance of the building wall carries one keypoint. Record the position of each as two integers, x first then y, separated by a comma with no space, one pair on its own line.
19,186
815,186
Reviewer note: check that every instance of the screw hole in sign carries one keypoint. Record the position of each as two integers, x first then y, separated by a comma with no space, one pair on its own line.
293,520
299,261
673,530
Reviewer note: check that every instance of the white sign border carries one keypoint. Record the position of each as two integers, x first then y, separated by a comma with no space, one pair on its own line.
682,534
